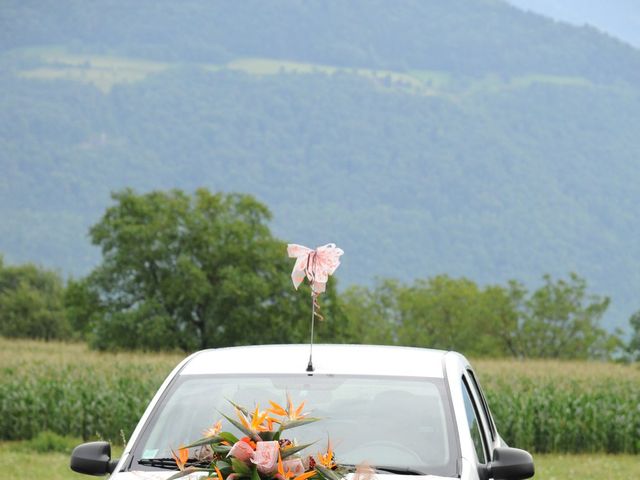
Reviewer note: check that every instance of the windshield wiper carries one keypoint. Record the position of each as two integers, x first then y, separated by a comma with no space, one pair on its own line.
389,469
398,470
170,463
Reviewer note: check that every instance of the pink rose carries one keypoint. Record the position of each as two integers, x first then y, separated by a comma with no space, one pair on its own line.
294,466
242,451
266,457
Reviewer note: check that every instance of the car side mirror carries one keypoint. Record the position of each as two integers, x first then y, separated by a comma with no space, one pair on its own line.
509,464
93,458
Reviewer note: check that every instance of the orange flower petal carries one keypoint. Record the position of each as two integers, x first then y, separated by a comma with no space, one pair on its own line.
299,410
277,409
289,405
218,473
243,418
184,454
181,457
280,466
305,475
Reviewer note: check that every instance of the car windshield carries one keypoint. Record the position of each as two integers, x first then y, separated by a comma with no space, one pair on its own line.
393,422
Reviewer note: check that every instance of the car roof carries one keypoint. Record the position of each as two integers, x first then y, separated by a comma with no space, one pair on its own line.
327,359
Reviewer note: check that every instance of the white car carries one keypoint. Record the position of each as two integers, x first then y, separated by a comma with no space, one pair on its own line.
404,411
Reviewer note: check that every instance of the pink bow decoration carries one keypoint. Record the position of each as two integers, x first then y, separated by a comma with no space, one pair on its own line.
316,265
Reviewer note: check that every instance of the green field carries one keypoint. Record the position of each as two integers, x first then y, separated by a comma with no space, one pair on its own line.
541,406
106,71
49,381
46,456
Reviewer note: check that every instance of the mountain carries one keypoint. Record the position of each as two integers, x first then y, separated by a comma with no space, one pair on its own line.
462,137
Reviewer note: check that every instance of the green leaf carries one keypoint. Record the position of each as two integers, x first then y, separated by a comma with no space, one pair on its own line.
205,441
228,436
254,473
327,473
297,423
239,407
188,471
267,436
221,448
242,428
240,467
287,452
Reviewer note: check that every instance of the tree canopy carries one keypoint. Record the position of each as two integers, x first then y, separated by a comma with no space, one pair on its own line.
558,320
561,320
634,343
32,303
191,272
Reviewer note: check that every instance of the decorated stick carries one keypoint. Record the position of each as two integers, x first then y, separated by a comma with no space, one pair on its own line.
316,265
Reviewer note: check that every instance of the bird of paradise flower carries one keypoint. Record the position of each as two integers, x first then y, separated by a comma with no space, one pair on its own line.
252,457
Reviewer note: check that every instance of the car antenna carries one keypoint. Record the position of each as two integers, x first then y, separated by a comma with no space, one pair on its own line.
314,305
316,265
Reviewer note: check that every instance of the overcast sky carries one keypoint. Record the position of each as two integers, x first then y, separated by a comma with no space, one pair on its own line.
619,18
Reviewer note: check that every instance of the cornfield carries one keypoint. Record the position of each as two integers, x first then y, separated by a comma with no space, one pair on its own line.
70,390
541,406
564,406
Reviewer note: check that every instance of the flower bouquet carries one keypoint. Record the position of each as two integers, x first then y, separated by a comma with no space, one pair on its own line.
262,453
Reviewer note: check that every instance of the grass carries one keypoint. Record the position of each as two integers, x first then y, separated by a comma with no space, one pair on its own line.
265,66
102,71
106,71
492,371
18,355
46,456
587,467
18,462
22,354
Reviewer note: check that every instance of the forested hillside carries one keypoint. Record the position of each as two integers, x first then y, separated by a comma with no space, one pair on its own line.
472,37
462,137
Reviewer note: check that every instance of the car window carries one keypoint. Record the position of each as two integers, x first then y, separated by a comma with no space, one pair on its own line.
475,386
474,424
402,422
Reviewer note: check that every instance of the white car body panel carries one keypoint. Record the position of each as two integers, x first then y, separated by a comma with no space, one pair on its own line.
327,359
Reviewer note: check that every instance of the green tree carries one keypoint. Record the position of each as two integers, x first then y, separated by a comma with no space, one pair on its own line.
455,314
560,320
82,306
634,344
439,312
373,314
31,303
187,272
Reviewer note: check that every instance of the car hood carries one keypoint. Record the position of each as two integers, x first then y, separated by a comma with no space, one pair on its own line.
140,475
